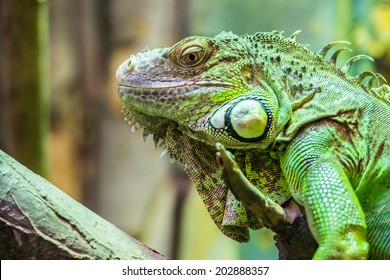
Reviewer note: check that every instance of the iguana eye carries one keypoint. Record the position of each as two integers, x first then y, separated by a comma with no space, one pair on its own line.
192,56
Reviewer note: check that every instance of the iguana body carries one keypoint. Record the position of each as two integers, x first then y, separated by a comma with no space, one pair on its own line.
297,127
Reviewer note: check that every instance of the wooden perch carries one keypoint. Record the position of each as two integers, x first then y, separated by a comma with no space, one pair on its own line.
39,221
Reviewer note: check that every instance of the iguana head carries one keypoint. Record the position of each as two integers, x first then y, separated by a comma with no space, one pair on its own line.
213,88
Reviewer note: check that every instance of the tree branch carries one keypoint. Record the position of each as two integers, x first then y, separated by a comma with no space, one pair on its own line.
39,221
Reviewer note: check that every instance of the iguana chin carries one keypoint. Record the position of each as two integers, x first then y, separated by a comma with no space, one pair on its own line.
295,124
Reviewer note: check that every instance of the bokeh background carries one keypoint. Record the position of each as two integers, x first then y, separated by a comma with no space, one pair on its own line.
61,117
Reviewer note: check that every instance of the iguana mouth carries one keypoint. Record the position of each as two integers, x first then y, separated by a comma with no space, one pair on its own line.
160,92
168,85
157,86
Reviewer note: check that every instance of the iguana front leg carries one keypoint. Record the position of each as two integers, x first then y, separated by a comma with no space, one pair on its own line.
316,165
270,213
293,237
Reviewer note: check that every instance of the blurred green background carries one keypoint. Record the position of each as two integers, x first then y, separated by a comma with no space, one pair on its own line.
61,117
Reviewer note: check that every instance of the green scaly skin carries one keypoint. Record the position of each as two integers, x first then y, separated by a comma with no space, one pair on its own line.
295,125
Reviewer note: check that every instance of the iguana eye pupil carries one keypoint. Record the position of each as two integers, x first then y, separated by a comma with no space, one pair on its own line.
192,57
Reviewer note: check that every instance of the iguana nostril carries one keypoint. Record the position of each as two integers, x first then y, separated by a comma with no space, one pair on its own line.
130,65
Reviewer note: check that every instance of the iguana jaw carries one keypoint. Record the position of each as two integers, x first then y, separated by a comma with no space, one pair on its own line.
178,101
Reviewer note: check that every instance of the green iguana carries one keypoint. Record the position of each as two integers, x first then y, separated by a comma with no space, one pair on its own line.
295,124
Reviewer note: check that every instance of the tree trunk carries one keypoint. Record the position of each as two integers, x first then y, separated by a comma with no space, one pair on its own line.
24,79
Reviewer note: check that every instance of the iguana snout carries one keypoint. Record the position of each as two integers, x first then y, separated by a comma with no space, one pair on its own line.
147,86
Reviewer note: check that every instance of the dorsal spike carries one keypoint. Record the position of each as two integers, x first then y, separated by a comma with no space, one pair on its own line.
364,75
294,35
333,59
382,80
371,82
347,66
326,48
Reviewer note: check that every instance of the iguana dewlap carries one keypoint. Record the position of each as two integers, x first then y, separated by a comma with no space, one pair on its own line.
297,126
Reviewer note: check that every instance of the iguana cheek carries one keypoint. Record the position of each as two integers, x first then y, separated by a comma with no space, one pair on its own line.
248,119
